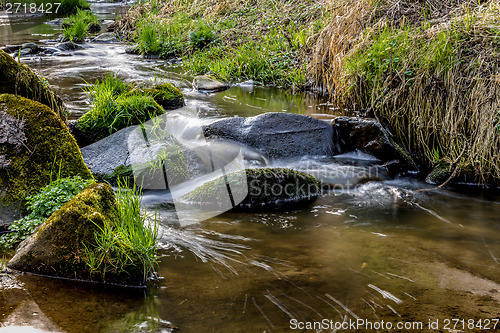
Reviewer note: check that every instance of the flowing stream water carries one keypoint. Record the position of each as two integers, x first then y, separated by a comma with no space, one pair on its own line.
378,251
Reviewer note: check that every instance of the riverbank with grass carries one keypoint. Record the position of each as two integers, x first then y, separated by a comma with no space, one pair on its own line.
265,41
429,71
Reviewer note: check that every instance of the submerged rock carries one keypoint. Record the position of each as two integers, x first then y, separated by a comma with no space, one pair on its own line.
35,145
19,79
276,135
56,248
167,95
107,37
268,189
206,83
69,46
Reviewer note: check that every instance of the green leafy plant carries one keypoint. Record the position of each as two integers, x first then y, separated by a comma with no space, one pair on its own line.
127,244
41,206
85,16
203,36
76,32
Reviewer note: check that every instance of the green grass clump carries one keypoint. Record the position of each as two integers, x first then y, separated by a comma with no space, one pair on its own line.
41,206
77,32
126,245
86,16
157,38
269,64
202,36
116,105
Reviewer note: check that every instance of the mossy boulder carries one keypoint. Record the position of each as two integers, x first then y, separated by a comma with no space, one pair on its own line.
19,79
35,147
56,248
268,189
126,110
167,95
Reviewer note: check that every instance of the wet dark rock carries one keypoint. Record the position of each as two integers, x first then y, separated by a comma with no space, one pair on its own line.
10,212
25,52
268,189
439,174
368,135
94,27
30,46
11,48
106,155
50,50
151,56
175,61
57,247
69,46
276,135
32,137
465,178
132,50
206,83
19,79
107,37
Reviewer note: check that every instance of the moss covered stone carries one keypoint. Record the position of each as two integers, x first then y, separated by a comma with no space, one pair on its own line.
19,79
167,95
268,189
56,248
35,147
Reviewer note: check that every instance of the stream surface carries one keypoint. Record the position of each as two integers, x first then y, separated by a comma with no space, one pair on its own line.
379,251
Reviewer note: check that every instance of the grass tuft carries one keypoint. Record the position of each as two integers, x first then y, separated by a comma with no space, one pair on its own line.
116,105
128,244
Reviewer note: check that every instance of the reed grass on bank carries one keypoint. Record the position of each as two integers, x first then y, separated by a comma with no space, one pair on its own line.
432,73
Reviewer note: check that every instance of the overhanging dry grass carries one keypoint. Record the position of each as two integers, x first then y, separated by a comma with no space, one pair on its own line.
434,74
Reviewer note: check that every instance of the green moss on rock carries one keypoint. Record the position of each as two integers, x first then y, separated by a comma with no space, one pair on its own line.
268,188
19,79
35,147
56,248
167,95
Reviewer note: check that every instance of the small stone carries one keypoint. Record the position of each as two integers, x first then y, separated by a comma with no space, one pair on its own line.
107,37
69,46
206,83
